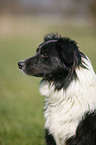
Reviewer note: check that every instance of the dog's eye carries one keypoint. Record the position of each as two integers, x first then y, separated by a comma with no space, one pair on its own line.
44,55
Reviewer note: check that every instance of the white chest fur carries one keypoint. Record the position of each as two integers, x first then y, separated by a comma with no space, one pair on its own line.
65,108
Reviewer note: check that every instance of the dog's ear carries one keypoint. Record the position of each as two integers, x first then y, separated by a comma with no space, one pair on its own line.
67,48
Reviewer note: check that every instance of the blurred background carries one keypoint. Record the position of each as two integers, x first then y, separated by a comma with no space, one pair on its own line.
23,24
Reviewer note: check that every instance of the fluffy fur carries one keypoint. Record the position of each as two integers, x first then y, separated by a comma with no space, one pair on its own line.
69,87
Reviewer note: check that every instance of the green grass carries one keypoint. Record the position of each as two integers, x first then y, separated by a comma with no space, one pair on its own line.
21,115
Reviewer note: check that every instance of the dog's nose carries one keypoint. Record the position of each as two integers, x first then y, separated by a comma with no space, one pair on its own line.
20,64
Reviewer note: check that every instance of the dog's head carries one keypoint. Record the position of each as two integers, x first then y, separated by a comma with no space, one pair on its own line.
56,60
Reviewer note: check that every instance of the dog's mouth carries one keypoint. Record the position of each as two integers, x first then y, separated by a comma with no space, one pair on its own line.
38,75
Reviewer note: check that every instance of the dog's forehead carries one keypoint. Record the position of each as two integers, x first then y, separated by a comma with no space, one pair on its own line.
45,43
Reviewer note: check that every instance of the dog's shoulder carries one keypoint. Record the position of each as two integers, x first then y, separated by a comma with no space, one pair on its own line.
86,131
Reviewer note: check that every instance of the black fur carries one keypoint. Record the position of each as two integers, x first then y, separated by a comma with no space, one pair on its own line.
86,131
49,138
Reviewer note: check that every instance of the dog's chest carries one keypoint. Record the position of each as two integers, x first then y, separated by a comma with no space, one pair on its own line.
61,113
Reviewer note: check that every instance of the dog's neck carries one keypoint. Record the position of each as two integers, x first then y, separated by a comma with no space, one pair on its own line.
65,108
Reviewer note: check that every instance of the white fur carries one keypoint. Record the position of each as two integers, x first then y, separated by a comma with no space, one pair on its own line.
65,108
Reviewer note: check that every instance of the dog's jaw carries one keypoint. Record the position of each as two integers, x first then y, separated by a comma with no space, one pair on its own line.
64,109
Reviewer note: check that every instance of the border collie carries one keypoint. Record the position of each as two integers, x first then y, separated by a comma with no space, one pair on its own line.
69,87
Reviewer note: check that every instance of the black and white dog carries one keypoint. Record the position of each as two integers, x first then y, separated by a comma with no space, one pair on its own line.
69,87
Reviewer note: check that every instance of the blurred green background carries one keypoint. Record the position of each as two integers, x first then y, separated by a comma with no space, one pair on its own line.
23,24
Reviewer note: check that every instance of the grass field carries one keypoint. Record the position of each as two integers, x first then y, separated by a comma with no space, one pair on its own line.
21,115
